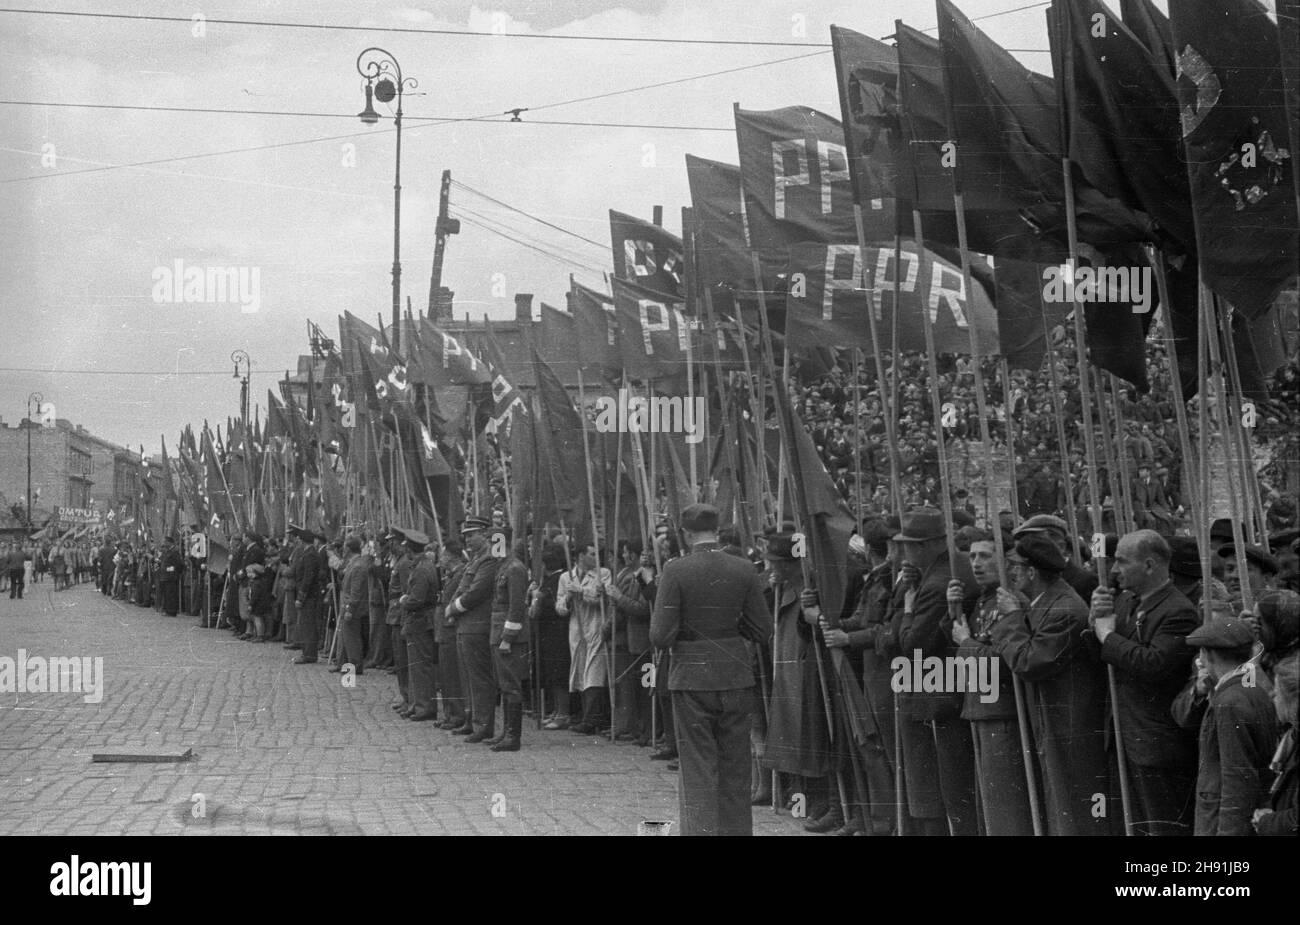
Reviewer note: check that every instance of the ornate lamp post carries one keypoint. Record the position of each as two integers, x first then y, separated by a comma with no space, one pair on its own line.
33,399
240,356
384,82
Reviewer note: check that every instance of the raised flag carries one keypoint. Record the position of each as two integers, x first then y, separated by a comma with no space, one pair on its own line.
1235,132
646,254
867,72
595,327
827,303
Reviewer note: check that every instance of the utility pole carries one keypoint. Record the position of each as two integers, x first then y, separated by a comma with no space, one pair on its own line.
446,226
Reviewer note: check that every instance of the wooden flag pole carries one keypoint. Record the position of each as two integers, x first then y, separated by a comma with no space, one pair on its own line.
1256,523
1063,444
1027,751
605,619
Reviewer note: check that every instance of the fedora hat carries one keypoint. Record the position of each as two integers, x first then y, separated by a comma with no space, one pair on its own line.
923,524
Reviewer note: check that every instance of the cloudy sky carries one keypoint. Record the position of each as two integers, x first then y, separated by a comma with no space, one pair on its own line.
93,201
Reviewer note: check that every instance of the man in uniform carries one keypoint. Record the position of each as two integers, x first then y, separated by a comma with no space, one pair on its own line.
451,566
379,651
708,604
419,607
171,565
398,582
295,544
472,610
509,642
1143,633
310,579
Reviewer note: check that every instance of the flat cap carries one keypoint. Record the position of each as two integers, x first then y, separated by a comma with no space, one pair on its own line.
700,518
1040,552
1222,633
1256,554
1041,522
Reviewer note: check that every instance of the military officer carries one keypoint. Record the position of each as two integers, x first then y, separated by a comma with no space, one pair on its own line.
356,606
419,606
398,581
310,578
509,641
171,566
472,610
708,604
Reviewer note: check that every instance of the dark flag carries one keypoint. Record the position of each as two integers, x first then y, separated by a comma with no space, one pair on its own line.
827,303
656,338
1152,29
721,246
1025,320
794,171
558,433
1235,131
595,329
646,254
867,72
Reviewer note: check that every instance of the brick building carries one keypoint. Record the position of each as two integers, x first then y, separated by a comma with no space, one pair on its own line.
71,467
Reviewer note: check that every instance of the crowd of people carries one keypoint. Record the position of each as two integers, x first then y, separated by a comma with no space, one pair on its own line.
23,564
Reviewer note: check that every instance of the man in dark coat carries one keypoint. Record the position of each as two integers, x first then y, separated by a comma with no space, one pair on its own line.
472,610
398,581
707,606
419,609
355,601
1040,635
310,579
938,754
1083,581
1142,632
171,566
508,640
1238,731
451,566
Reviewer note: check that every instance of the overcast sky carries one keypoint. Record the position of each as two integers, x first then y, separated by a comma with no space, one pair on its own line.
78,251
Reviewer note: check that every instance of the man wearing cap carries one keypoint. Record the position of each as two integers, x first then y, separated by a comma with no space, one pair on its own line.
171,565
1221,534
707,606
296,541
310,579
1238,731
398,581
1142,632
1261,571
1082,580
938,754
451,566
471,608
509,641
355,601
419,606
1185,572
1040,635
379,648
995,728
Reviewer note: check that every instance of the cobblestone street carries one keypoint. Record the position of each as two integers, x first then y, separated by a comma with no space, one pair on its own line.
278,748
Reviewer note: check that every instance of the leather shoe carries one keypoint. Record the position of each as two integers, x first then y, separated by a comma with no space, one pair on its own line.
508,744
480,736
674,765
304,660
400,706
560,722
832,820
582,729
853,827
421,716
664,754
464,730
291,645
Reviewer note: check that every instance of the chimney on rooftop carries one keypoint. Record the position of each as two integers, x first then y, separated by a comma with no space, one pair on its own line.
523,307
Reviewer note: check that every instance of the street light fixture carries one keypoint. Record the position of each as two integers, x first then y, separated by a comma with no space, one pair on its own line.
385,83
240,356
35,398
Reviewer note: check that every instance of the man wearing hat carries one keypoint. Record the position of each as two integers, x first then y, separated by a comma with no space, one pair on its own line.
296,541
419,605
171,565
471,608
355,601
1040,636
399,578
1221,534
938,754
1083,581
1238,731
1261,571
451,684
310,579
509,641
1142,632
1185,572
708,604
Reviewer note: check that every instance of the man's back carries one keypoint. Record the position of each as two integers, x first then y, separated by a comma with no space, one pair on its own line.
708,603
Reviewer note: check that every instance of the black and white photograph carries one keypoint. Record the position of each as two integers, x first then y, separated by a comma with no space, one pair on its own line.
650,418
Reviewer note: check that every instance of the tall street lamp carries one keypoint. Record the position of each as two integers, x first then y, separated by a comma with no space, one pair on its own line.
33,399
385,83
239,356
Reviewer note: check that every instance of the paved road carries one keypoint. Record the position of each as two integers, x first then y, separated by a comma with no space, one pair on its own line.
278,748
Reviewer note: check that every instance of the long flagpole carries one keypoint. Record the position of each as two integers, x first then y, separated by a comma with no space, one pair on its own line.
595,540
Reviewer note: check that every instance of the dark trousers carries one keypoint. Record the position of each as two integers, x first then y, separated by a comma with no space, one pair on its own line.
631,698
1164,801
713,742
477,677
664,697
170,592
399,663
421,664
309,627
512,669
1000,766
956,773
450,680
16,583
350,645
380,653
